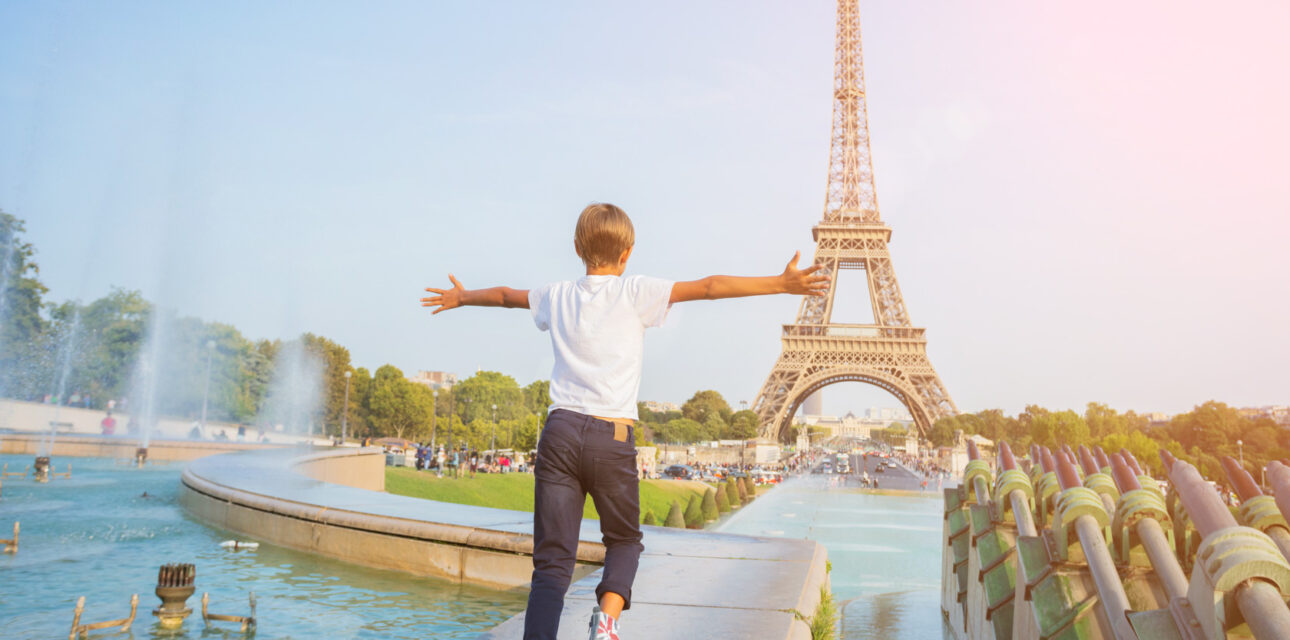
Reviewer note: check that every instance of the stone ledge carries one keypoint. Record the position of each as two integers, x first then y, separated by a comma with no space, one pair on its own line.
728,586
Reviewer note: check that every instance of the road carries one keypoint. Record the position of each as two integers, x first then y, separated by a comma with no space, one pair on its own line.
894,477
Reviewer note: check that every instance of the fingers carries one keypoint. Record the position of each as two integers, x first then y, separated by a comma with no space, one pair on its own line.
434,290
807,271
455,282
792,264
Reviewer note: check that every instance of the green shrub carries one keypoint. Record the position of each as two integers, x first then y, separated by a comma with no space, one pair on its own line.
743,491
750,487
824,623
674,517
709,506
693,513
723,503
650,519
732,493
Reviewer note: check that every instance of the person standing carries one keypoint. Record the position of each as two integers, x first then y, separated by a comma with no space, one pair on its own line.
597,328
108,425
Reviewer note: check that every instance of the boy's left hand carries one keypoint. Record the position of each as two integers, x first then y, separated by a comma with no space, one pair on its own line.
447,298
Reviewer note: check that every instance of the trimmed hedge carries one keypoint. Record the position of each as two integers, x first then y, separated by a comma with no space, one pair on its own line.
709,506
694,513
723,503
674,517
650,519
733,493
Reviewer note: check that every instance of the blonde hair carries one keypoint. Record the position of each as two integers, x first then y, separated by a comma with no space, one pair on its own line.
603,233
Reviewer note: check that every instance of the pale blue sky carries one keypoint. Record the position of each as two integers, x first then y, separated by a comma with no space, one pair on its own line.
1089,201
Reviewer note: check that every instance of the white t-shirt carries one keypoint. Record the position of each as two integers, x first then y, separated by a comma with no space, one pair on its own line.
597,327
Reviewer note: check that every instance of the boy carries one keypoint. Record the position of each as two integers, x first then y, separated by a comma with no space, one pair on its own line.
597,326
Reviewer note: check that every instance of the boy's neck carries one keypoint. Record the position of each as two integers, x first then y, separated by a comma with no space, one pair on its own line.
606,271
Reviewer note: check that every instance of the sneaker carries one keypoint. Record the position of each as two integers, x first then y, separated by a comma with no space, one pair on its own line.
603,627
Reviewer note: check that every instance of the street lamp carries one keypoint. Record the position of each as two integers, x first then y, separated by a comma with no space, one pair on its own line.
434,424
1240,447
493,445
210,353
344,417
452,411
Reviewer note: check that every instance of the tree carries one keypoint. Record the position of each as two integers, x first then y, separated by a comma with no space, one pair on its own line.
942,432
732,493
694,513
713,429
723,502
743,425
741,485
476,395
680,430
21,293
1051,429
749,487
399,407
675,518
335,362
649,519
537,398
705,404
710,510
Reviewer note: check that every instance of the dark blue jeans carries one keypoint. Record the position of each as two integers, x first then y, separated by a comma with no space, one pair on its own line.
578,455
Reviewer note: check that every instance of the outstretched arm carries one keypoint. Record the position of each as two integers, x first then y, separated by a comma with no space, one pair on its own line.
795,281
459,296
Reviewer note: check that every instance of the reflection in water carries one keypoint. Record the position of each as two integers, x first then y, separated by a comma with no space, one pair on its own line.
906,614
95,535
885,551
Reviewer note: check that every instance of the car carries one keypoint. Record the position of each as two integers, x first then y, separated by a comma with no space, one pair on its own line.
882,467
679,472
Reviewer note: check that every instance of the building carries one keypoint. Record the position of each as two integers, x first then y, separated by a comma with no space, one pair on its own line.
1277,413
661,407
435,379
857,427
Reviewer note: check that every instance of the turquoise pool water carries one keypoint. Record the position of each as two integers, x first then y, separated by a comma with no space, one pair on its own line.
885,551
94,535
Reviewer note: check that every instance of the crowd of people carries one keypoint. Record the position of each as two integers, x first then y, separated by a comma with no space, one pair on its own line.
459,462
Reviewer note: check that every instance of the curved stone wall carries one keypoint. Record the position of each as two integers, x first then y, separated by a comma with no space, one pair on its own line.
328,501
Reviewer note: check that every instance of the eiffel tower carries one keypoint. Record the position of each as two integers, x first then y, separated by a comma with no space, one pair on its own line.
817,352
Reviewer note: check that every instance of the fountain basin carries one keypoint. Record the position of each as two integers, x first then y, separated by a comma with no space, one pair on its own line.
749,586
97,535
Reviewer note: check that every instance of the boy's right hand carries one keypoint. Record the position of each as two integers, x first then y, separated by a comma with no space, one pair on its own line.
446,298
801,281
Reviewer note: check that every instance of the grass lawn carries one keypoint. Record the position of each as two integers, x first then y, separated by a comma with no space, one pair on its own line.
514,491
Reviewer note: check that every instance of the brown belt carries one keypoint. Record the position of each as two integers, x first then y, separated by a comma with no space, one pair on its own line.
620,426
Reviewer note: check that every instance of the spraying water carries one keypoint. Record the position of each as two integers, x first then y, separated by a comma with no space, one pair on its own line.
148,375
6,260
295,393
71,343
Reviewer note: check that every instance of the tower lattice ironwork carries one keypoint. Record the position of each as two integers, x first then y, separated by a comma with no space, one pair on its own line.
817,352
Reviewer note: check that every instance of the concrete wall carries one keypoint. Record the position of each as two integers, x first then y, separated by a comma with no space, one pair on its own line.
746,586
362,471
82,446
292,507
35,417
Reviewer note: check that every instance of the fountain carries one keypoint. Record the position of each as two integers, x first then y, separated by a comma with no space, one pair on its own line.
147,377
174,586
41,469
6,258
69,346
295,393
